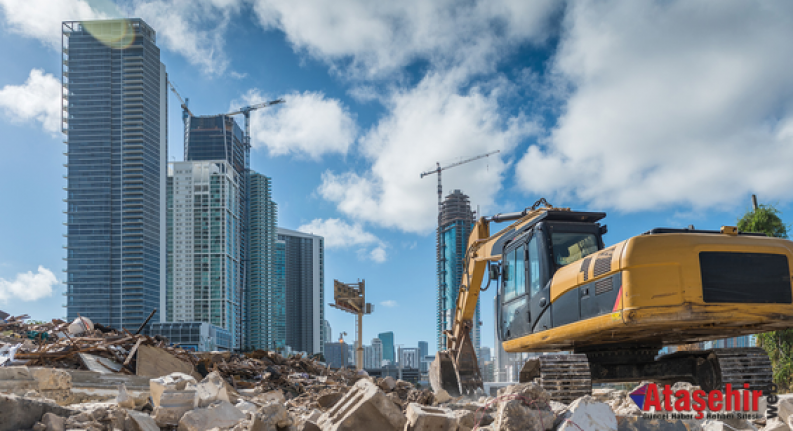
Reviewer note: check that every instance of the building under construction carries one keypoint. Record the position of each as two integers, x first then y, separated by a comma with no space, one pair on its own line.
455,223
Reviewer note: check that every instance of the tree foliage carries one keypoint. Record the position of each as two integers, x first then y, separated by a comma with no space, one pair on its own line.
778,344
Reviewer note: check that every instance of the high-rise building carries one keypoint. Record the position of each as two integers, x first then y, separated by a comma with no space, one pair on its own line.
484,354
115,121
409,357
326,332
219,137
387,338
377,353
265,296
423,352
337,355
203,251
456,223
304,272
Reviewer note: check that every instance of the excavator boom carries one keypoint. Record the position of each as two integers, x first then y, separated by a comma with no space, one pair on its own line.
456,369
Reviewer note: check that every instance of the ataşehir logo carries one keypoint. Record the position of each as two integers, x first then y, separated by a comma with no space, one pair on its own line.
648,396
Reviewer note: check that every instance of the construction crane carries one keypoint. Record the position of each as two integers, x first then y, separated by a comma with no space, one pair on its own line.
246,111
438,170
185,109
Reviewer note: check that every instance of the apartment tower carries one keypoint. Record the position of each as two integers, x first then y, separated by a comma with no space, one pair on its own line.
115,122
303,273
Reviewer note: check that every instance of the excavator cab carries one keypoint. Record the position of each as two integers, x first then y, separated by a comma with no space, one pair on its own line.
528,264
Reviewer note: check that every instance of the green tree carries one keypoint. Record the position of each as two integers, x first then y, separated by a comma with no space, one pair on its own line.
778,344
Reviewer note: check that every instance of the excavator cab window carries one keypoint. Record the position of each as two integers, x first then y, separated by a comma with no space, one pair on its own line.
569,247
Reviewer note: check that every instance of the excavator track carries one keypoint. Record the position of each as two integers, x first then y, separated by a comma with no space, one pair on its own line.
744,365
565,377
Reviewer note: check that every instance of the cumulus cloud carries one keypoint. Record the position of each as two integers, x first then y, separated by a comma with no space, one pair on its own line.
307,124
671,103
28,286
38,99
432,122
42,19
340,234
374,39
389,303
195,29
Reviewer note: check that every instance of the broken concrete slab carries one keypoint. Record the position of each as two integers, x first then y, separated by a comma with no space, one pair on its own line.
271,396
142,421
423,418
173,405
588,414
53,422
22,413
387,384
364,406
524,406
156,362
214,388
330,399
271,417
221,414
173,382
17,380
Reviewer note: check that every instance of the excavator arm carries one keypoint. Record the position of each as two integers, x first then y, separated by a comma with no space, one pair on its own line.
456,369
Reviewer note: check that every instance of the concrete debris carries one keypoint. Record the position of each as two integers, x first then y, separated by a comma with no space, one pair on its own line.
423,418
214,388
173,405
174,382
387,384
53,422
641,424
271,417
588,414
728,425
365,406
442,397
142,421
524,406
123,399
776,424
221,414
22,413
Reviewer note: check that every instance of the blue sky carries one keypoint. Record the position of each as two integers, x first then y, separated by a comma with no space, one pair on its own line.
660,113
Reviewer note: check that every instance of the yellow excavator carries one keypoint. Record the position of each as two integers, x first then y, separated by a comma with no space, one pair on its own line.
613,309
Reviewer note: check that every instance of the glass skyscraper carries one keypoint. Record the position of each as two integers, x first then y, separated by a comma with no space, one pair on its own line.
115,122
203,258
304,275
218,137
456,223
387,339
266,295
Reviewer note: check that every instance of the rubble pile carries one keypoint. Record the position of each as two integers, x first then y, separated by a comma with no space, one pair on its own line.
82,376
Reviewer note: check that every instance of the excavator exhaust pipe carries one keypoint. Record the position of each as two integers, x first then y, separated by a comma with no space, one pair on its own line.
443,375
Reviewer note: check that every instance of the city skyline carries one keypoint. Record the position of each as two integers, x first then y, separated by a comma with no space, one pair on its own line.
371,107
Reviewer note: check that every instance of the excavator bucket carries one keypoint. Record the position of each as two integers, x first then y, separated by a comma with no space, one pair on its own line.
443,374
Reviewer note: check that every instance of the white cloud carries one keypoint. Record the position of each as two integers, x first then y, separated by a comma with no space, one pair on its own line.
371,39
28,286
195,29
41,19
39,99
340,234
307,124
389,303
672,103
430,123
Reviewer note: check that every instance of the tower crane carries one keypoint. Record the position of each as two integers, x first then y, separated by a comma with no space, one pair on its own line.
246,111
185,109
438,170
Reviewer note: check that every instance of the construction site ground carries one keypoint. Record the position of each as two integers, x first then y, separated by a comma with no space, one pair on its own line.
103,379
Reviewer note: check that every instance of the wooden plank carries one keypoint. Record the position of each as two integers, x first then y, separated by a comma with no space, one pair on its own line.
156,362
132,352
